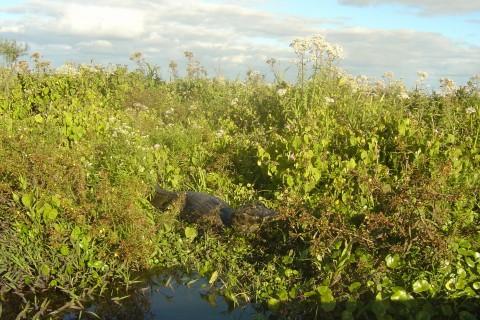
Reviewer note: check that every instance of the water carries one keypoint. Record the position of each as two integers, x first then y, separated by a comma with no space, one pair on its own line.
165,298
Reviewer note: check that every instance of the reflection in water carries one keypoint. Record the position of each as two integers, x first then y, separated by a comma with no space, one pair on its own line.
166,298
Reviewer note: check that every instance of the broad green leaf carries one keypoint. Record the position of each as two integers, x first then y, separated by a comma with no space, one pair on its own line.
49,213
27,200
450,285
421,286
400,295
213,277
38,118
191,233
273,304
44,270
392,262
283,295
354,286
64,250
326,298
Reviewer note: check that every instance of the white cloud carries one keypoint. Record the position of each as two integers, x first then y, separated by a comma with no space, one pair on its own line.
103,21
427,7
12,29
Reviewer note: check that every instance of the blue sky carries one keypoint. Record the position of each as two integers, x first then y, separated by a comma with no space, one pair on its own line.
230,37
387,16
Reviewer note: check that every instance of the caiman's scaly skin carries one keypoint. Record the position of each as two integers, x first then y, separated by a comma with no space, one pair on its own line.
199,206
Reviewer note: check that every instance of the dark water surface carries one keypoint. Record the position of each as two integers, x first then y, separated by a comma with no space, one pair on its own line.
170,299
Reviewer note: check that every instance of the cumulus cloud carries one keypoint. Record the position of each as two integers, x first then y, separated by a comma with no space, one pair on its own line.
105,21
405,52
426,7
231,37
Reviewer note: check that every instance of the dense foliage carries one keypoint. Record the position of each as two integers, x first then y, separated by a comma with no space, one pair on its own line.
377,190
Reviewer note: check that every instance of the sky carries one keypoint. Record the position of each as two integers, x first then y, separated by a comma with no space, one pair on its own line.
231,37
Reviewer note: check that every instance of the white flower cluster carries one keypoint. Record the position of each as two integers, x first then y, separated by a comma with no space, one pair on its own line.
140,106
470,110
329,100
281,92
422,76
318,48
67,69
448,86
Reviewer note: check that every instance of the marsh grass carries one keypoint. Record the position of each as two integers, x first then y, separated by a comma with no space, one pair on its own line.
376,186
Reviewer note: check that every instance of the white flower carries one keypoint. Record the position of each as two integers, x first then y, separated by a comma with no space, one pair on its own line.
329,100
448,86
470,110
220,133
403,95
422,75
234,102
388,75
281,92
156,146
139,105
299,46
68,69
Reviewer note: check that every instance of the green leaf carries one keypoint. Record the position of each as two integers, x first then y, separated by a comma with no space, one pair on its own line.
392,262
44,270
283,295
450,285
273,304
27,200
49,213
326,298
191,233
421,286
213,277
400,294
354,286
76,233
64,250
38,118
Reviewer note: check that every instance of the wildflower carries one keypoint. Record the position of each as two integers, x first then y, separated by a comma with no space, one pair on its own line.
67,69
254,76
448,86
300,46
403,95
234,102
380,85
388,75
470,110
139,105
136,56
361,80
281,92
156,146
291,156
329,100
334,52
271,62
422,75
220,133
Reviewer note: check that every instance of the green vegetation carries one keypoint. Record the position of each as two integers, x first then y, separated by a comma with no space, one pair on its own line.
377,188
